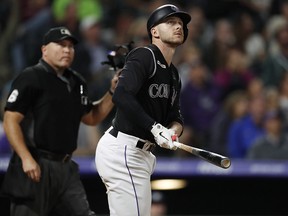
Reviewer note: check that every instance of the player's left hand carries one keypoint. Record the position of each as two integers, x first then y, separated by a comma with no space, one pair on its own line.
163,136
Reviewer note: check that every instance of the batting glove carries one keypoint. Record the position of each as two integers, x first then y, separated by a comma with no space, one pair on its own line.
163,136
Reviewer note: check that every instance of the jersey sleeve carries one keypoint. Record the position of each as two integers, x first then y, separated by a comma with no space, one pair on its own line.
22,93
139,66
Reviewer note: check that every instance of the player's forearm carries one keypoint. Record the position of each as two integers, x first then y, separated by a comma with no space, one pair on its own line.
177,127
127,103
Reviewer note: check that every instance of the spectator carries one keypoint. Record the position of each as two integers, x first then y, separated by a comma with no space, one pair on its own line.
118,34
255,88
137,32
235,75
249,40
201,30
244,131
216,53
258,9
38,17
91,51
200,101
190,55
276,63
35,19
274,143
283,99
234,107
81,10
284,8
272,99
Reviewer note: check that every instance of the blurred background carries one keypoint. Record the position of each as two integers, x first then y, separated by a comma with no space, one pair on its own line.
234,99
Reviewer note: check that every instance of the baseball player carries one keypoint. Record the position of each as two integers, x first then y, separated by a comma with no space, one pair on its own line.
147,99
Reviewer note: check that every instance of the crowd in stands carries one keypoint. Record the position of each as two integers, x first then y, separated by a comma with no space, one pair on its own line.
233,65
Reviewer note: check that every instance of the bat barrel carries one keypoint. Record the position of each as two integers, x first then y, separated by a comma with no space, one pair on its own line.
214,158
211,157
225,163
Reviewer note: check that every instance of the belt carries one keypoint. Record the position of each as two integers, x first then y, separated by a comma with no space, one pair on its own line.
54,156
140,144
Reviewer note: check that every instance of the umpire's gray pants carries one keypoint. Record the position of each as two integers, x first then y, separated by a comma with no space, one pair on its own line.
59,193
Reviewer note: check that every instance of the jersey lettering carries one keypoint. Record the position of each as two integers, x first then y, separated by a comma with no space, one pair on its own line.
159,91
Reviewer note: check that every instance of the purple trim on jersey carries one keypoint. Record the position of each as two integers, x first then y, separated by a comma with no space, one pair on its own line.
126,163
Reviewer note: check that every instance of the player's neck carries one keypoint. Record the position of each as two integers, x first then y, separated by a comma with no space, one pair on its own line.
167,51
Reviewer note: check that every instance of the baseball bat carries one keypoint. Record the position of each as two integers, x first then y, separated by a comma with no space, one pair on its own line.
211,157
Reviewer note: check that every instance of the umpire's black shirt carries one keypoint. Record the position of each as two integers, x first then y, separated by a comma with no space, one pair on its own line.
56,104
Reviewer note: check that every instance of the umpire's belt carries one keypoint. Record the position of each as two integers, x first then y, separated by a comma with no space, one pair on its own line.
54,156
148,146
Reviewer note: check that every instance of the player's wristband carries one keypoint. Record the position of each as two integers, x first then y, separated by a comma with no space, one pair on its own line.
111,92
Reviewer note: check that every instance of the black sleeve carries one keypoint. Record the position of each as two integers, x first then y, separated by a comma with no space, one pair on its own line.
139,66
132,109
22,93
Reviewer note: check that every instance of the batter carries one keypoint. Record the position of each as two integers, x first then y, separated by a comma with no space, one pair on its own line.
147,100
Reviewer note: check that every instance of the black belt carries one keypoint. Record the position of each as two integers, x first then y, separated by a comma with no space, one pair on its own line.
139,144
54,156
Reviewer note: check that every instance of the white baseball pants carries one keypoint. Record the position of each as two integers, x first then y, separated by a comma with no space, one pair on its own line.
125,170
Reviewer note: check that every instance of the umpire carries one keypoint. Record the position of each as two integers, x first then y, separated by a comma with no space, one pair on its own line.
51,99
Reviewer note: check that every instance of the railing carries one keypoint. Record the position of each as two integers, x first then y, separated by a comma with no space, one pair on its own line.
192,167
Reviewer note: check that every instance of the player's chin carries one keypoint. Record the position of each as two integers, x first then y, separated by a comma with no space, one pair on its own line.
176,43
178,40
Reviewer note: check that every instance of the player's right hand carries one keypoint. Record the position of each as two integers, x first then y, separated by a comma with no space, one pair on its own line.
162,136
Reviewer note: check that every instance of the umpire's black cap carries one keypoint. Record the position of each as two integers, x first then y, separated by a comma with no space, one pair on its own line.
57,34
164,11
